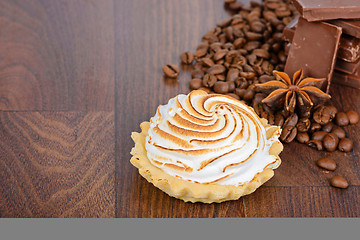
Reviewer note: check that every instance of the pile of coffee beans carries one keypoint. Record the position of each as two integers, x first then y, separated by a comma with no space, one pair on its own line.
241,50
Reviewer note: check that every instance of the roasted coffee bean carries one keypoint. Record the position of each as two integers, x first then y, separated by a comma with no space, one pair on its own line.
261,53
240,92
322,115
195,83
207,90
171,71
252,36
282,12
276,47
303,125
250,46
288,134
302,137
315,127
233,95
216,69
266,78
279,119
282,57
330,142
319,135
197,73
203,45
242,83
249,95
224,23
200,53
328,127
315,144
216,46
257,26
269,14
339,132
326,163
339,182
345,145
239,42
209,80
220,77
332,111
221,87
271,119
341,119
232,75
220,54
207,62
197,65
247,75
187,57
292,120
264,114
353,117
231,86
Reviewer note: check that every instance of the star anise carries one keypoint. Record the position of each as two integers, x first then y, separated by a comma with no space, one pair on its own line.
296,94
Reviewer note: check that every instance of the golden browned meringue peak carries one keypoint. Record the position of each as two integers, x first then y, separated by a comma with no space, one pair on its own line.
210,139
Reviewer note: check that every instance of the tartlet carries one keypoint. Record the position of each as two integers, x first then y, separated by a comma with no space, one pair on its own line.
206,148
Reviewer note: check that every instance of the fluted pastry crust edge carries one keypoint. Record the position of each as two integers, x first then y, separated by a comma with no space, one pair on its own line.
189,191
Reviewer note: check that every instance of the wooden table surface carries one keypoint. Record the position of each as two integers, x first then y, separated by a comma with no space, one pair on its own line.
78,76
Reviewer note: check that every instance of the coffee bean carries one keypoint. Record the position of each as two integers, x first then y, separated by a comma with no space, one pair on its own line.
232,75
319,135
292,120
248,95
341,119
249,46
261,53
269,14
197,66
187,57
326,163
209,80
197,73
200,53
282,12
257,26
221,87
303,125
328,127
224,23
339,182
279,119
322,115
231,86
247,75
345,145
252,36
316,144
330,142
302,137
240,92
332,111
266,78
207,62
216,46
216,69
339,132
233,95
220,54
235,6
315,127
271,119
195,83
171,71
288,134
239,42
220,77
353,117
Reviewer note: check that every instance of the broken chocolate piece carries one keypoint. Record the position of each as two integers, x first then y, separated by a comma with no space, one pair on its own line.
318,10
351,80
347,67
314,50
351,27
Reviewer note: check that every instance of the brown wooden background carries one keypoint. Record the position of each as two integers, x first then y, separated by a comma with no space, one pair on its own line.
78,76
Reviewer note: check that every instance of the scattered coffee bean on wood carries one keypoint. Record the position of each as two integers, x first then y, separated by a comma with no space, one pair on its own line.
187,57
345,145
339,132
316,144
326,163
330,142
353,117
171,71
339,182
341,119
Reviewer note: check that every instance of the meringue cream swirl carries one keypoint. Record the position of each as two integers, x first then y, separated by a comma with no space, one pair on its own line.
210,138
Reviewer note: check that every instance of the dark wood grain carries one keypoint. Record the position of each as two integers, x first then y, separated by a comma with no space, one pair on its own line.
78,76
57,164
56,55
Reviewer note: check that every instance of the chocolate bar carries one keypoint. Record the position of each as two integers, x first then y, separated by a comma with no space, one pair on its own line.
350,27
351,80
346,67
349,47
314,49
319,10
